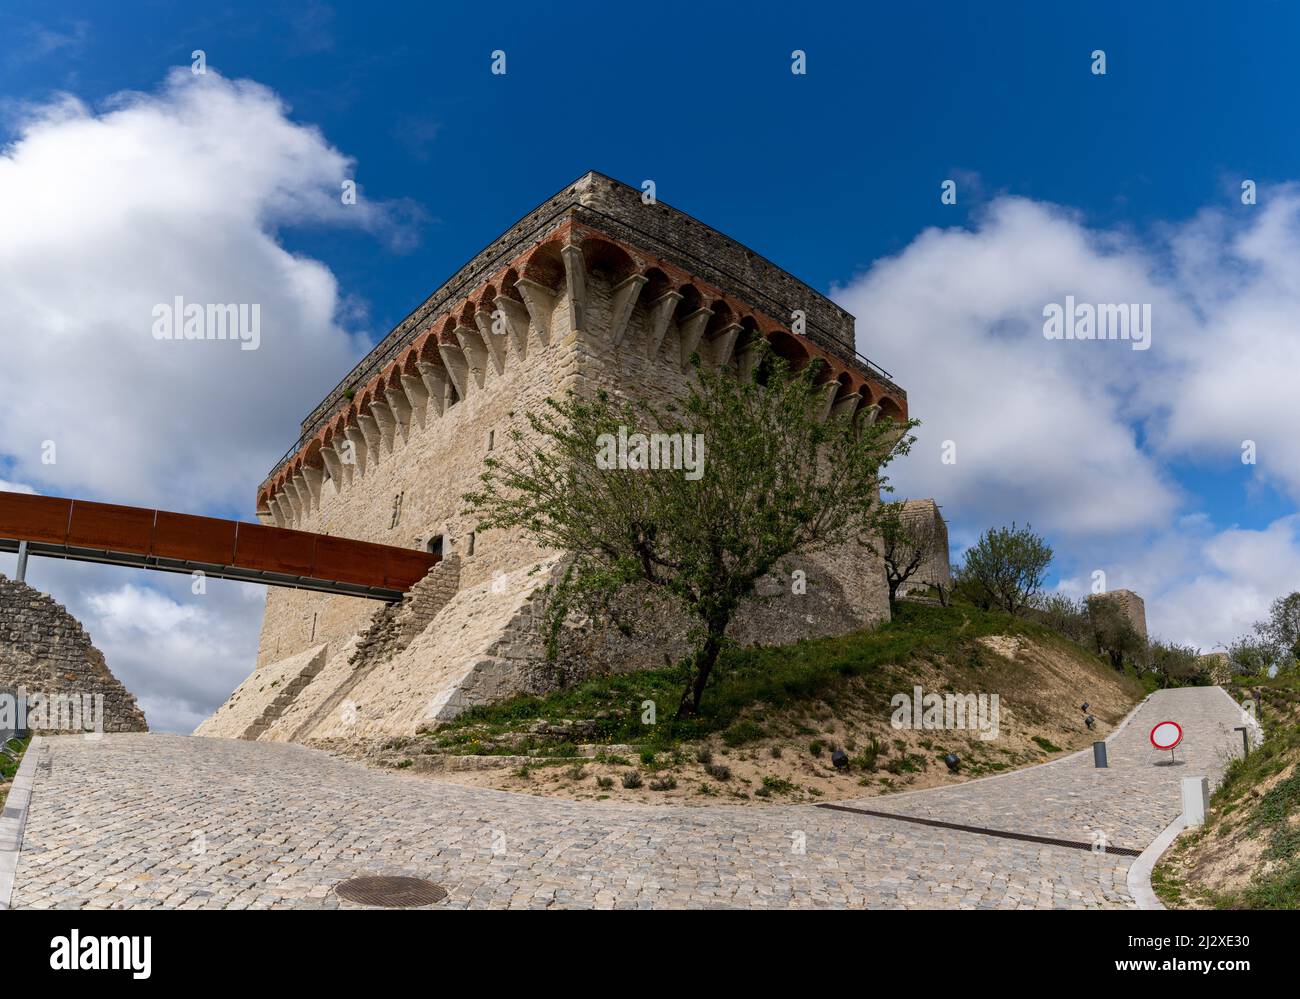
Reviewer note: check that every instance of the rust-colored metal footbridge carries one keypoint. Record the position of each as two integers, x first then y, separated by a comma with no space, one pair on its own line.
225,549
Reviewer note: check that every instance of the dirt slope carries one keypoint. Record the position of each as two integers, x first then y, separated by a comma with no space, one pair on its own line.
776,715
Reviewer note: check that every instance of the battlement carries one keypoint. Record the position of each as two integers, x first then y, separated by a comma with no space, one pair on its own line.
674,252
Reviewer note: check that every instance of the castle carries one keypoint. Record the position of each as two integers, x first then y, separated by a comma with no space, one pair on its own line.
598,287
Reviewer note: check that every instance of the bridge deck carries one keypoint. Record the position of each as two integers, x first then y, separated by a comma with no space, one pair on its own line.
226,549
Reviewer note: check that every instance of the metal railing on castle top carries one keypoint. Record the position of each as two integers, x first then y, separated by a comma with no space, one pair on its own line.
373,361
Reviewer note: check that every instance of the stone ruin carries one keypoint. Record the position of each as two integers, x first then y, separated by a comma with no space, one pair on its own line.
46,654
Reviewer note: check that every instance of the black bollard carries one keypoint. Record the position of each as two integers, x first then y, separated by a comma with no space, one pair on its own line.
1099,754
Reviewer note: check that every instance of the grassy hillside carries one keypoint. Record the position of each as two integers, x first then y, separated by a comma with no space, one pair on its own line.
1247,855
773,717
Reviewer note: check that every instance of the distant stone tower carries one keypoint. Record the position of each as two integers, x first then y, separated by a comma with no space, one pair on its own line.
1130,606
936,570
593,289
45,652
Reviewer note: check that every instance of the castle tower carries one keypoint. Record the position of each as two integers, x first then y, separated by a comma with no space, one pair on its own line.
594,288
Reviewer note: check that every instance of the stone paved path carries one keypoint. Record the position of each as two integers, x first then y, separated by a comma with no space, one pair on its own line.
172,821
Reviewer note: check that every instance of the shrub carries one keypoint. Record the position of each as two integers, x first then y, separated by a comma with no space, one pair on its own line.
604,783
666,783
718,771
704,757
742,732
908,764
632,779
816,746
870,756
1178,665
1250,656
1065,616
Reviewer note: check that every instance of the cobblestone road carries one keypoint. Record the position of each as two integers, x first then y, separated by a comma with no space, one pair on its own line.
172,821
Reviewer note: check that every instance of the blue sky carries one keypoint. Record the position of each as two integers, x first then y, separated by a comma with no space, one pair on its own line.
1129,183
898,97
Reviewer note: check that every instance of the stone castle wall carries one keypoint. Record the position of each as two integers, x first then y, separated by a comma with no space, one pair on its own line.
472,655
423,446
45,651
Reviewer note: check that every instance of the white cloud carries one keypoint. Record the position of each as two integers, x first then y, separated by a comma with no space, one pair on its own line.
1077,437
107,215
1044,422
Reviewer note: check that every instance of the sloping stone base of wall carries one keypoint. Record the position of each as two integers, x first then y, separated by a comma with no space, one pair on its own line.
260,700
45,651
467,655
443,650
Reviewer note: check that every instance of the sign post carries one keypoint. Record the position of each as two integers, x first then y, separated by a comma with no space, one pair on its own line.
1167,735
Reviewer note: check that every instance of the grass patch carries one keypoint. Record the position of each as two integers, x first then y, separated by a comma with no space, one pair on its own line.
1237,808
805,673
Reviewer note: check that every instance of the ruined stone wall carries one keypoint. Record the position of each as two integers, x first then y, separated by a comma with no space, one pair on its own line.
46,651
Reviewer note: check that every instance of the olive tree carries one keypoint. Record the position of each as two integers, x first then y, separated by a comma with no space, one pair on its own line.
698,498
1005,568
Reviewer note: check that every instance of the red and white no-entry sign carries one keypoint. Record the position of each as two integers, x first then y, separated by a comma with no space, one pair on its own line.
1166,735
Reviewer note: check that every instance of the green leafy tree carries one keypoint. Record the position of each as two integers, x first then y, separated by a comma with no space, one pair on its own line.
1065,615
1282,630
1177,665
1114,634
1004,569
776,481
1251,656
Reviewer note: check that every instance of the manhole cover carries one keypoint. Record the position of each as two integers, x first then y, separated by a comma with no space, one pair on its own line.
391,893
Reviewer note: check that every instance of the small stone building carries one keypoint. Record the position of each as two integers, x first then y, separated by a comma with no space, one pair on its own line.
46,654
